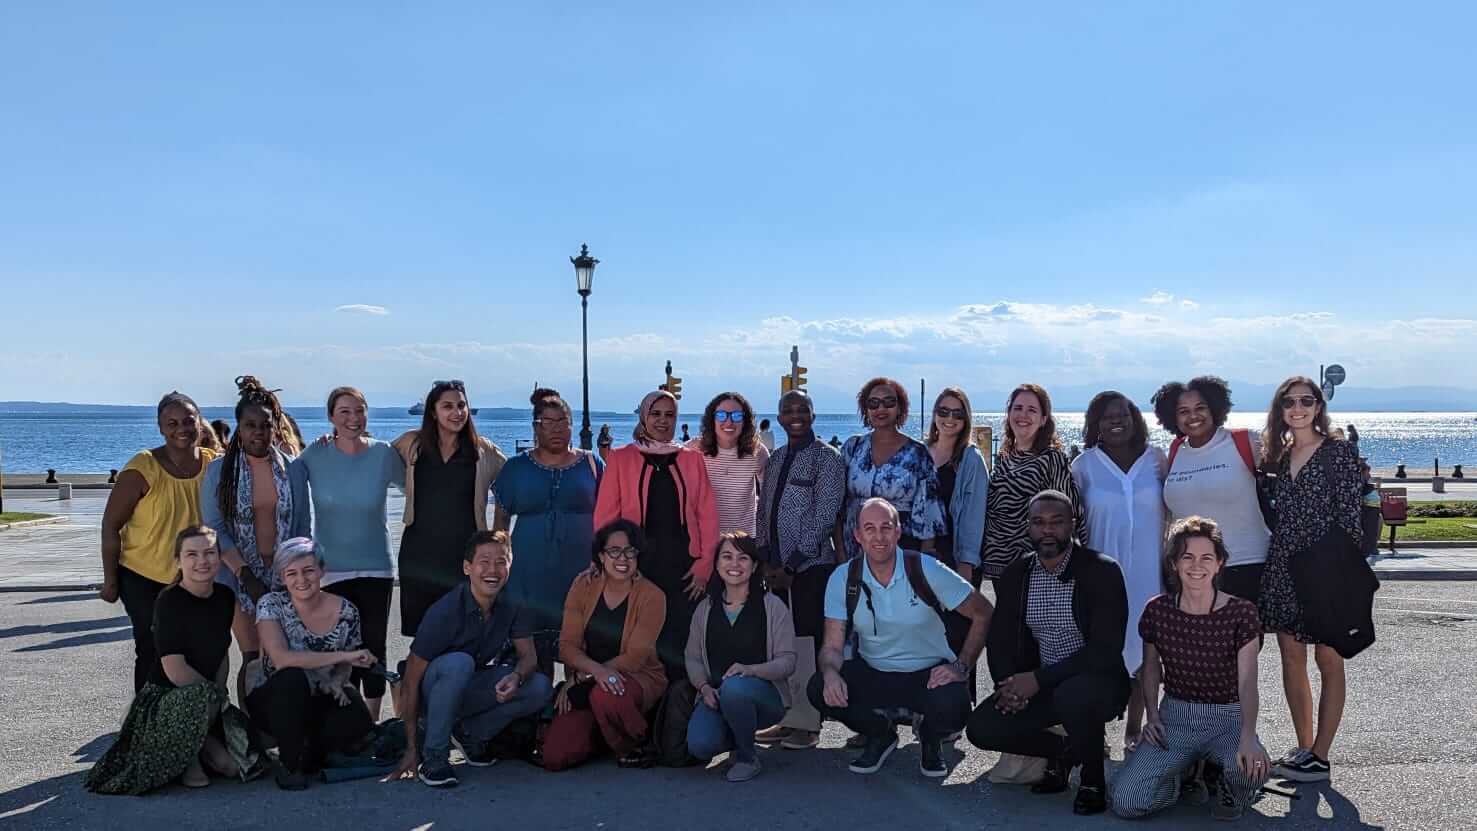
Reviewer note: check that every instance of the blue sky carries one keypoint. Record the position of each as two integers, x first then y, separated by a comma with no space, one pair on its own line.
1069,193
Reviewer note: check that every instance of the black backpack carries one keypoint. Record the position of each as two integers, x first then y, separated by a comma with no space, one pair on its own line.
912,567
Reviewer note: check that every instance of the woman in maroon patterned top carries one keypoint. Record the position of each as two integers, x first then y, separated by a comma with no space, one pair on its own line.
1202,645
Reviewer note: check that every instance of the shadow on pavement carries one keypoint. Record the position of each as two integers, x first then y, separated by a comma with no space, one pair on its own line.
94,750
63,628
33,803
1345,813
124,634
61,598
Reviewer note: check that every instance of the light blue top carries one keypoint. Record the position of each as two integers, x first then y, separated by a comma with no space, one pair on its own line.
349,493
967,506
906,634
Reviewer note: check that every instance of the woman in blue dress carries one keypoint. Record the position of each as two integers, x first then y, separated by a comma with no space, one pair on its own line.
548,493
887,463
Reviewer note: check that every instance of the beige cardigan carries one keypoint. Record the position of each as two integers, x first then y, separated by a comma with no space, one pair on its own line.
489,463
780,632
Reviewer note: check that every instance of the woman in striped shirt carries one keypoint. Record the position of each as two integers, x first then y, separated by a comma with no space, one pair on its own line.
735,460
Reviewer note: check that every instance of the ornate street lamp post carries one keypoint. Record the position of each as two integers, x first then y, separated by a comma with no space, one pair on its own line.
584,278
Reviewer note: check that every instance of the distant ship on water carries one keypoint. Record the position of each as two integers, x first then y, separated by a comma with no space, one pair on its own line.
420,409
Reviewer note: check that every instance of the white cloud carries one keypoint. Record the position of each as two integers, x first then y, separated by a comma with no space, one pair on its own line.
1158,298
1189,305
363,309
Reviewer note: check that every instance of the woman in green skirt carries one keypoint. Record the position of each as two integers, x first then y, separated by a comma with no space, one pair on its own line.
182,724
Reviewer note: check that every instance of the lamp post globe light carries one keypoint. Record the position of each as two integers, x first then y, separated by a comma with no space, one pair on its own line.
584,280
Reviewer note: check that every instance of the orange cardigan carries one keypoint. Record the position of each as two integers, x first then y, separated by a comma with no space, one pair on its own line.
646,611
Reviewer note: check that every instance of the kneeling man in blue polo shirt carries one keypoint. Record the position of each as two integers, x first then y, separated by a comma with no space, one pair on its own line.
456,673
893,601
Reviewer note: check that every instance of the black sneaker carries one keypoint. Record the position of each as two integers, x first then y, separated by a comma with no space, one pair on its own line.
1226,806
931,762
1307,767
478,754
291,780
875,752
436,774
1054,780
1091,799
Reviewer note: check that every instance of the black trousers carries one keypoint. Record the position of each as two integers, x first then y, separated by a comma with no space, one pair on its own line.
1081,705
1244,582
944,709
307,725
138,595
371,596
807,599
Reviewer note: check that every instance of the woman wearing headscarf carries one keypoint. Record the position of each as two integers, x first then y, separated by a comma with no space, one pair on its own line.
663,487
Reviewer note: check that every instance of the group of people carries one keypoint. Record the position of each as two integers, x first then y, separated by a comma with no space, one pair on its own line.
662,572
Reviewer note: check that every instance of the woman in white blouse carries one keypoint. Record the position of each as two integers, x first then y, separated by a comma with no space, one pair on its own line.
1121,479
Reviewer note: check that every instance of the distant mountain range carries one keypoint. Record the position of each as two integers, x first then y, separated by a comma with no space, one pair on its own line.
1247,396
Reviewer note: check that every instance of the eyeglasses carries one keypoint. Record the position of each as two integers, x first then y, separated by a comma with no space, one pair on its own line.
629,552
881,403
735,416
454,383
551,422
951,412
1308,401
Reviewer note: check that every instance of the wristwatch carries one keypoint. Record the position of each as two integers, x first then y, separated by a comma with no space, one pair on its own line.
961,668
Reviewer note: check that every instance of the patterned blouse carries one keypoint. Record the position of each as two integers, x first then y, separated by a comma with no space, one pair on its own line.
344,635
908,480
1325,496
1016,478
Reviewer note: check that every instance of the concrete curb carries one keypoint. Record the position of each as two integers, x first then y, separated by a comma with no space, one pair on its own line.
50,520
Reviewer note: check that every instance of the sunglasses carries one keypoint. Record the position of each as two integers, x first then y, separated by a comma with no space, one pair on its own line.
561,421
454,383
956,413
881,403
735,416
629,552
1307,401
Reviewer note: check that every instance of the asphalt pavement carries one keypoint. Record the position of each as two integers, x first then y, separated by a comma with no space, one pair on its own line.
1406,757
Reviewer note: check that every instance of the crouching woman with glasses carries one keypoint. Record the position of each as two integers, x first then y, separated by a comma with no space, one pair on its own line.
612,618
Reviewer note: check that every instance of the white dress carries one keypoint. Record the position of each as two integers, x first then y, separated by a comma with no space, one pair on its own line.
1125,520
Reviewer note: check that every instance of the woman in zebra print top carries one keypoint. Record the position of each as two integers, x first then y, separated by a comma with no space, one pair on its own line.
1031,460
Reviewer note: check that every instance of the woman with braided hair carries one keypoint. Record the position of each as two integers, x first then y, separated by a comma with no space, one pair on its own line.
253,499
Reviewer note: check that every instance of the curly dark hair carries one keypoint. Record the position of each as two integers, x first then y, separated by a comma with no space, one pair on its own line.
252,394
897,390
748,440
748,547
1182,532
1092,423
606,531
545,398
1215,391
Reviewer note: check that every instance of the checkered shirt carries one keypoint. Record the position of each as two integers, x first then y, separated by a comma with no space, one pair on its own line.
1049,612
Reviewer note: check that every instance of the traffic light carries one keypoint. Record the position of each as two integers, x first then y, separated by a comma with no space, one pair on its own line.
786,384
674,386
799,377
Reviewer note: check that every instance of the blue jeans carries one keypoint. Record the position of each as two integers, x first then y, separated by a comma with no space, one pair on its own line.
454,692
744,706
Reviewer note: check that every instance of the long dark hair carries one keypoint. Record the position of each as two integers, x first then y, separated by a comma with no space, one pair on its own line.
1092,426
1046,437
748,438
252,394
966,438
468,437
1277,436
748,547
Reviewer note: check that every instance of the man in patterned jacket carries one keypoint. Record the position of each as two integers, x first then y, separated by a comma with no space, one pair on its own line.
804,486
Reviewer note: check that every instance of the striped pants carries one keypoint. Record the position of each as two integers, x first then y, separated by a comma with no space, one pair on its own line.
1149,780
